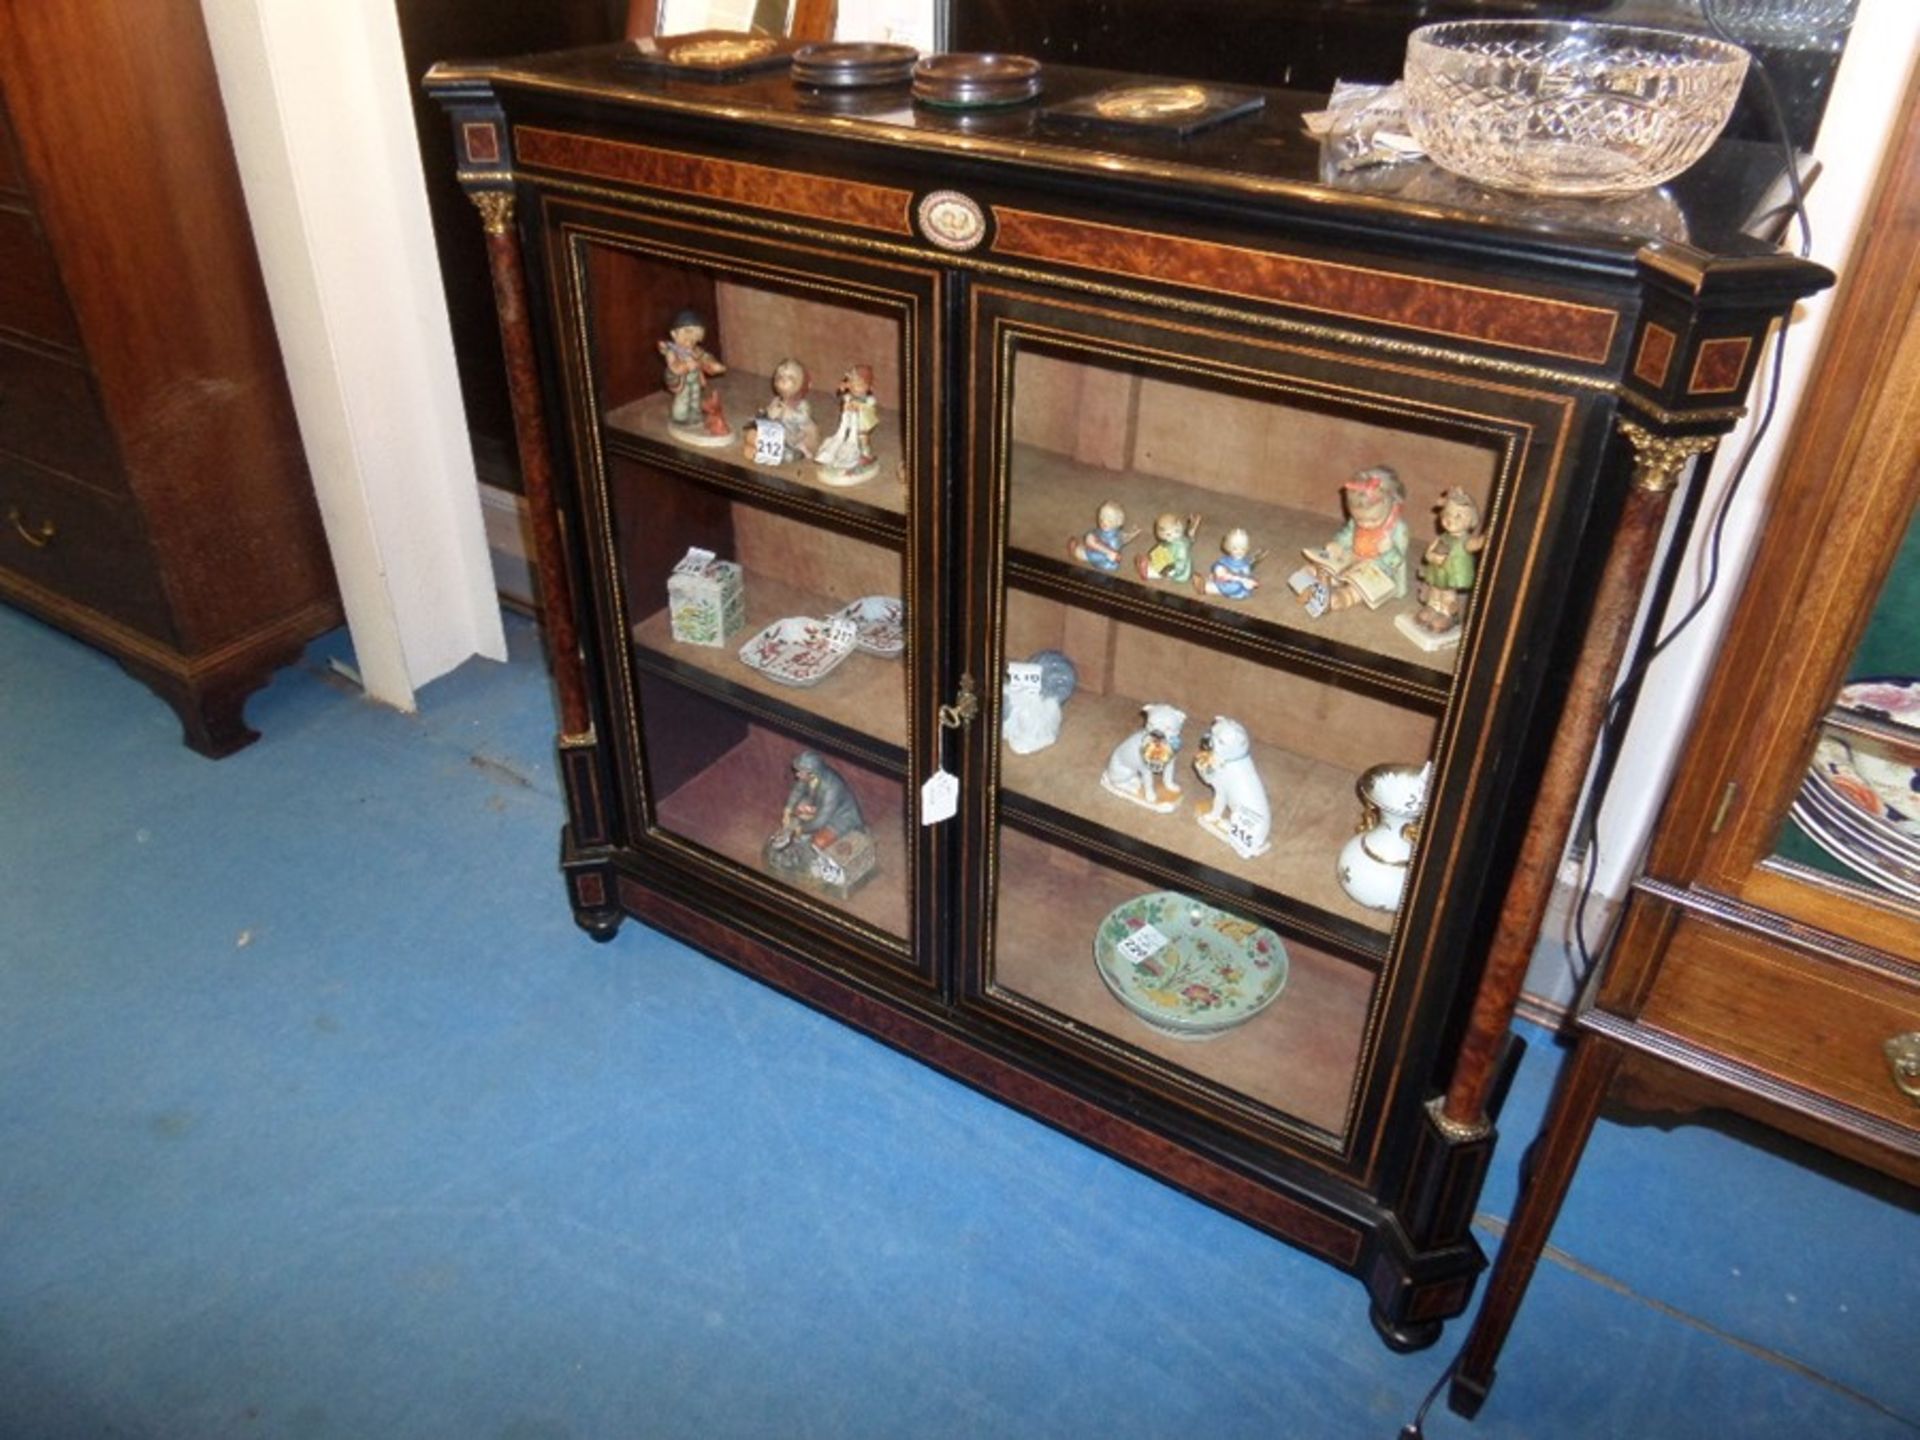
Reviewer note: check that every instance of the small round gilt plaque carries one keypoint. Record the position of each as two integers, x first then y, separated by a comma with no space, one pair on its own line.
952,221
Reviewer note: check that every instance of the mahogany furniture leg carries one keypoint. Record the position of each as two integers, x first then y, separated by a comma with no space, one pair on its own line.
1577,1097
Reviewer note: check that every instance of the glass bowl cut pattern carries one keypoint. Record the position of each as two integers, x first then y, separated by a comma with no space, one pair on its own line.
1566,108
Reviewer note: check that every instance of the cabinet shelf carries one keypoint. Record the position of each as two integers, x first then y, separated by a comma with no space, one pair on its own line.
1296,1058
639,427
732,805
1056,498
861,707
1315,810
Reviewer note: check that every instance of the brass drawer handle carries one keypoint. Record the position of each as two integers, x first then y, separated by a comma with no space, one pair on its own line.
1903,1054
39,538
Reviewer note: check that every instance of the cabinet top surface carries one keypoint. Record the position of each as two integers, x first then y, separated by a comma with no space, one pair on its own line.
1718,209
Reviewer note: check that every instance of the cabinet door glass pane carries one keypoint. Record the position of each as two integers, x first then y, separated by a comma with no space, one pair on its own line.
1857,816
1230,621
753,448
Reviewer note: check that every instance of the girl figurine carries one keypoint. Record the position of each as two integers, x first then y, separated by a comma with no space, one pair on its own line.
1171,557
1100,547
791,409
846,456
694,414
1232,577
1446,571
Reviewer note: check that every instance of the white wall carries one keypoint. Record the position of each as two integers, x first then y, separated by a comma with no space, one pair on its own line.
1864,111
317,99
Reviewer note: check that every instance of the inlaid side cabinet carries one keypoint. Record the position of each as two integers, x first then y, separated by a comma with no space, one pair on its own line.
1140,910
1768,961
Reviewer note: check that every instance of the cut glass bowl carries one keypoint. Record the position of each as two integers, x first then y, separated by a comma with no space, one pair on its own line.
1567,108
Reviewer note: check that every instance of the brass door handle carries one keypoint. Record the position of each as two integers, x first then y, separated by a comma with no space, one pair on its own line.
965,706
38,538
1903,1055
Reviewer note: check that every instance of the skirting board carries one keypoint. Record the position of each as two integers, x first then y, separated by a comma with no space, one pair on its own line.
505,514
1554,975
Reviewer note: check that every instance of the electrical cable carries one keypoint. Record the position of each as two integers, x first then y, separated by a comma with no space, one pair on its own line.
1612,731
1414,1429
1613,726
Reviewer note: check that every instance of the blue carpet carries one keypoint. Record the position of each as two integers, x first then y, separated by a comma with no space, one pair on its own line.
320,1119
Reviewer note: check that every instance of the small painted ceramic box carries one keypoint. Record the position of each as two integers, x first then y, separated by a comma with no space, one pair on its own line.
706,599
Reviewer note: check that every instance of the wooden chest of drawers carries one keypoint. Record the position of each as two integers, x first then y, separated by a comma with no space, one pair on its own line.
154,500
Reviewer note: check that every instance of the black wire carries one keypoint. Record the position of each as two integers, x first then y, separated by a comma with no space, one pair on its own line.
1775,112
1586,827
1613,727
1413,1429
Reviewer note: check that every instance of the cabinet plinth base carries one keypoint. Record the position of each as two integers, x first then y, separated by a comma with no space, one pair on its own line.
1404,1339
590,889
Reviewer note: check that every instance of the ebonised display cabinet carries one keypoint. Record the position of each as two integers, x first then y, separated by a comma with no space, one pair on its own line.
1053,319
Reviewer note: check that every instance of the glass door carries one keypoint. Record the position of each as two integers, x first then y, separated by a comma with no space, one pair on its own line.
1233,584
1856,817
763,437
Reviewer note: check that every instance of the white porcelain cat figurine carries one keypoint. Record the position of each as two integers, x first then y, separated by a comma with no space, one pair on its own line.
1031,712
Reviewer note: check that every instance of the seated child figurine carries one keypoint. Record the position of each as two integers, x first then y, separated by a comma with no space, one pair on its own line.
1366,560
1231,576
1100,547
1171,557
790,409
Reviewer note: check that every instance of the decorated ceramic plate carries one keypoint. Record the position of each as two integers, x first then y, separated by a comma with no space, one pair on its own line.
1839,819
1896,697
879,624
799,650
1187,969
1850,852
1876,779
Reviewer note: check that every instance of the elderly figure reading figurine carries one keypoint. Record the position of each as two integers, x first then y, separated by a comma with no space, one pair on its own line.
823,836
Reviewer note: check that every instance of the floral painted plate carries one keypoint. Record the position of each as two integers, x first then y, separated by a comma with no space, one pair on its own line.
1877,781
1896,696
1186,969
799,650
879,624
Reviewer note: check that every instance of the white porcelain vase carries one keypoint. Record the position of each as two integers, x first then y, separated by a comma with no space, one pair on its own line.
1373,865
